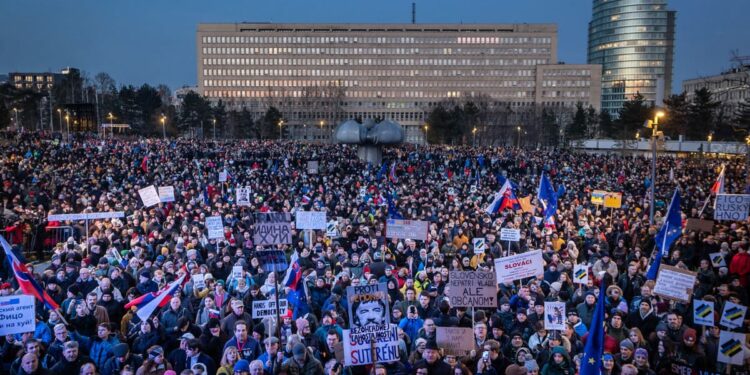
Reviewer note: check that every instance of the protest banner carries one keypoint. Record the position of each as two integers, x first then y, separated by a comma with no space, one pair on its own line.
473,189
359,349
267,308
597,197
237,272
519,266
17,314
581,274
510,234
733,207
479,244
166,193
310,220
272,228
272,260
149,196
612,200
717,260
368,308
223,175
414,229
312,167
555,316
86,216
215,227
731,348
199,281
243,196
472,288
456,341
733,315
699,225
674,283
703,312
332,229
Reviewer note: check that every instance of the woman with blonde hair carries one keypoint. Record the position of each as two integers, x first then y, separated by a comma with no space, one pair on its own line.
636,336
228,360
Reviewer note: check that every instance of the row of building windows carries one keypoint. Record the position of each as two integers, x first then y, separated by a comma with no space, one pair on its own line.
640,11
31,78
378,40
386,84
618,38
568,83
565,94
566,72
377,72
630,43
373,61
372,51
360,94
626,20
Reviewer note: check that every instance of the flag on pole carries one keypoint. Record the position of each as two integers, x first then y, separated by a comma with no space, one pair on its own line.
504,199
669,232
591,363
671,174
718,186
25,279
548,197
148,303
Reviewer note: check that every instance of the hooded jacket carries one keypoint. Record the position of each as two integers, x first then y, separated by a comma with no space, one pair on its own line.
562,368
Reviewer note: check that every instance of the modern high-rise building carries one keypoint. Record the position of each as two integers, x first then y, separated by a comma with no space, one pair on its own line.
319,75
633,40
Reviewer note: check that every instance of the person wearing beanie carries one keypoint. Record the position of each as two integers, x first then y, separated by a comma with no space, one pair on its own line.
532,367
626,352
640,360
616,327
586,308
691,353
644,318
242,367
301,362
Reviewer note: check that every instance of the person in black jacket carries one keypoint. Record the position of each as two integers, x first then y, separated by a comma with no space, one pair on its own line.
431,360
444,319
71,361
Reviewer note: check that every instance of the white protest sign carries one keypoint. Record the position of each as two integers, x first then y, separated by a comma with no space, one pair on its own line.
457,341
362,192
479,244
472,288
473,189
451,191
86,216
312,167
358,347
223,176
16,314
215,227
243,196
510,234
703,312
414,229
267,308
554,316
199,281
674,283
717,260
332,229
519,266
733,207
733,315
731,348
149,196
166,193
310,220
581,274
237,272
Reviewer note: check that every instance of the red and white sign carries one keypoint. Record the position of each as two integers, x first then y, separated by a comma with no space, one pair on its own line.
519,266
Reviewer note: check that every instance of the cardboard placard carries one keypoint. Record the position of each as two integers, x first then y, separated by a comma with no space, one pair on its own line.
332,229
700,225
519,266
413,229
312,167
613,200
149,196
86,216
479,244
17,314
733,207
199,281
733,315
472,288
703,312
731,348
215,227
510,234
223,175
358,348
243,196
456,341
272,228
675,283
597,197
368,308
166,193
237,272
717,260
310,220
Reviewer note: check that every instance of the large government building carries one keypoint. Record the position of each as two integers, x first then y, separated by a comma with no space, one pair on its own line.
633,41
318,75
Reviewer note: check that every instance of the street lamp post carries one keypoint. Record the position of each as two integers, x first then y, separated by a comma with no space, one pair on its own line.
654,135
474,133
710,138
15,111
281,123
519,136
67,123
59,114
111,118
163,120
426,128
214,129
322,134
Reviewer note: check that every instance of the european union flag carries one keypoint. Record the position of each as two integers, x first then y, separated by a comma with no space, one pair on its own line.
548,197
392,209
591,363
669,232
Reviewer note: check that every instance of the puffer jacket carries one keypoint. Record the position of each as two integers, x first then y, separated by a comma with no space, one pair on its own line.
563,368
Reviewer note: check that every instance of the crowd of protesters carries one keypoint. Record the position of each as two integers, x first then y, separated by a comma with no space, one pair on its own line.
210,330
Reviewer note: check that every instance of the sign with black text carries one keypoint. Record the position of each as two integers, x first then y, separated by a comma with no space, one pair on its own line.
733,207
413,229
267,308
519,266
272,228
17,314
472,288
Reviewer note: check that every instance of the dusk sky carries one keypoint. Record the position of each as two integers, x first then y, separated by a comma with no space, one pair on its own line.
139,41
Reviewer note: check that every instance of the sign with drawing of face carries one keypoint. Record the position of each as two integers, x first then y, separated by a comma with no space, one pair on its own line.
368,308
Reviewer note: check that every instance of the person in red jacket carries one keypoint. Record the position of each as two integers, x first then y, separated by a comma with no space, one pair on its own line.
740,265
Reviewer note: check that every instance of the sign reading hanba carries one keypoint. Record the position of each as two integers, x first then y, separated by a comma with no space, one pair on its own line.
414,229
674,283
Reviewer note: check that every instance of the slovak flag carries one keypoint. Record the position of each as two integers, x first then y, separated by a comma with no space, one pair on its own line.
305,199
504,199
149,302
25,279
718,186
293,276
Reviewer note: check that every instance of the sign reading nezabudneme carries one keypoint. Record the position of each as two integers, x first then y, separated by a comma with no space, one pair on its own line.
272,228
413,229
519,266
472,288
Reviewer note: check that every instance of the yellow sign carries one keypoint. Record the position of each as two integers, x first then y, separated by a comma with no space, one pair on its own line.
597,196
613,200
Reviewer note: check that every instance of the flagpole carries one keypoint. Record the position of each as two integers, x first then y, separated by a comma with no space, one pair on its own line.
278,318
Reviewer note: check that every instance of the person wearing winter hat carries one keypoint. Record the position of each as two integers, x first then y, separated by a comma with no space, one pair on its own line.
242,367
644,318
532,368
640,360
626,352
301,362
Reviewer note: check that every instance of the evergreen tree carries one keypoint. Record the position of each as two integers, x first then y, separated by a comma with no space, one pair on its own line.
270,124
633,115
675,122
195,113
606,126
702,114
577,128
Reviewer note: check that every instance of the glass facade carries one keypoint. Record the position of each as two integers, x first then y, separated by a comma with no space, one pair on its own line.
633,40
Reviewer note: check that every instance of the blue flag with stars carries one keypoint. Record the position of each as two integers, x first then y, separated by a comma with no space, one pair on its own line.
591,363
669,232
